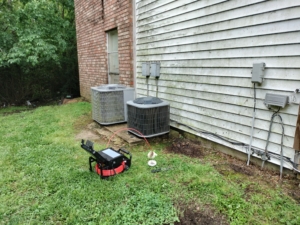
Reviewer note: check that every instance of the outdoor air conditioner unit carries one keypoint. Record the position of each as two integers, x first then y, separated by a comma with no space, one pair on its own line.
109,103
148,115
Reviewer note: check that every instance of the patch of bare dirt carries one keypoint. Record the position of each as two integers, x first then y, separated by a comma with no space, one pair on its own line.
87,135
73,100
195,215
230,166
249,190
186,147
87,129
241,169
289,184
294,189
91,130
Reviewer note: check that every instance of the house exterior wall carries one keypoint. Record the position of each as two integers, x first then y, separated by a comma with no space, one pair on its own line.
206,50
93,19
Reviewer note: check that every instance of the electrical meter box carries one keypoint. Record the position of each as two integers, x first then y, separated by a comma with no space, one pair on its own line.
146,69
155,69
258,72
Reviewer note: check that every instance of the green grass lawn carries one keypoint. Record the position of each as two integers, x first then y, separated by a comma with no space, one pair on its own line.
44,179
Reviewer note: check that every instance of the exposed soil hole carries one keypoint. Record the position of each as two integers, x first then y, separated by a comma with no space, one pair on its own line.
295,190
241,169
186,147
195,215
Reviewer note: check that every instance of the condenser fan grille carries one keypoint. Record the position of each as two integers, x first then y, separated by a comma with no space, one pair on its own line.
151,121
108,107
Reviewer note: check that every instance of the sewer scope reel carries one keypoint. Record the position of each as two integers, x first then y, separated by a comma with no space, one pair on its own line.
109,162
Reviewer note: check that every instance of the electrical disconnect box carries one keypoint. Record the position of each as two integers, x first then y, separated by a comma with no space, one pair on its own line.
155,69
276,100
258,72
146,69
151,69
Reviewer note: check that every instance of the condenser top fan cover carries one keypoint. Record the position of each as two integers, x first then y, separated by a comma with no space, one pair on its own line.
109,103
148,115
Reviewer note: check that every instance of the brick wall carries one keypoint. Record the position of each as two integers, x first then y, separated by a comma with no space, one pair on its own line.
93,19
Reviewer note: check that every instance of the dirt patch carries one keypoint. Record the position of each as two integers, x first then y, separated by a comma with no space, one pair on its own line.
242,169
293,189
193,214
186,147
73,100
83,122
233,168
249,190
87,135
230,166
106,136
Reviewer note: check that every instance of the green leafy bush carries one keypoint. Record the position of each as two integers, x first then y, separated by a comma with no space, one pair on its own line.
38,55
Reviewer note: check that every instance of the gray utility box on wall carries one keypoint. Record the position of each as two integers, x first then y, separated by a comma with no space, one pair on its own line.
151,69
109,103
258,72
155,69
148,115
146,69
276,100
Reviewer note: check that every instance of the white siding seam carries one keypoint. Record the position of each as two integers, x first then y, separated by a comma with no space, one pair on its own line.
237,114
257,137
216,49
233,28
159,11
219,32
188,11
278,73
229,19
246,94
220,75
272,62
240,57
220,87
222,11
224,94
225,39
140,7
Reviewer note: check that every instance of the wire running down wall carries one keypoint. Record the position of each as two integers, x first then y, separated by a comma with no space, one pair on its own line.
206,51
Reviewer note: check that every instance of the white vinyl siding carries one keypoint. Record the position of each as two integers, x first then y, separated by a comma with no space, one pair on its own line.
206,49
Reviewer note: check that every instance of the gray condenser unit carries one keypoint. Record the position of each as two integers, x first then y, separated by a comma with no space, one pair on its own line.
109,103
148,115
